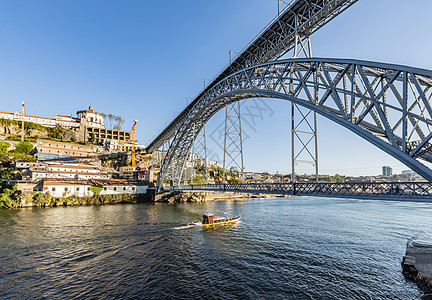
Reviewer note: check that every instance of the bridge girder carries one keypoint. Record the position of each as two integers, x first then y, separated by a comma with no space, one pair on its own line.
388,105
300,18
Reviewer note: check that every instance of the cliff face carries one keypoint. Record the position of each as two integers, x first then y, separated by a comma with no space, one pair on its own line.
13,128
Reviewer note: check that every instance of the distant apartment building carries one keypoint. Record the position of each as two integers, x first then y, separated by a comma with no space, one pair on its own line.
387,171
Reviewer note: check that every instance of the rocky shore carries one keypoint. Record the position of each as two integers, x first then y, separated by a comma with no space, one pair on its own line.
181,197
45,200
417,266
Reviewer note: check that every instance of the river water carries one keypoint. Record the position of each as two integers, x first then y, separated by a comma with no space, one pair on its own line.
284,248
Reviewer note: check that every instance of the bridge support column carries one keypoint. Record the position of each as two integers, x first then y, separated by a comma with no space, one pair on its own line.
303,121
233,141
199,155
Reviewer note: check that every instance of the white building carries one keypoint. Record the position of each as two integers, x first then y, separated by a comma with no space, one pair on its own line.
120,186
88,117
82,188
60,169
67,187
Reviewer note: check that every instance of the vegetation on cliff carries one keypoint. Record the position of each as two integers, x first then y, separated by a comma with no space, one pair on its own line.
8,194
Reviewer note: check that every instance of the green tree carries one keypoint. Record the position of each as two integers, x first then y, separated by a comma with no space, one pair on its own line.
339,179
234,180
96,189
24,148
92,138
110,118
120,122
8,196
199,180
4,146
56,132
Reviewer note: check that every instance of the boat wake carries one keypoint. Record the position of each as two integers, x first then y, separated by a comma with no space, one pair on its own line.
193,224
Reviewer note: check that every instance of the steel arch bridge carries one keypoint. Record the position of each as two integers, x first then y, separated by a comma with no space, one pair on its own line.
387,105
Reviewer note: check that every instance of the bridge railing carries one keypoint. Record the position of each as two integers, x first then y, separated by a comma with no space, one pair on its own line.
378,190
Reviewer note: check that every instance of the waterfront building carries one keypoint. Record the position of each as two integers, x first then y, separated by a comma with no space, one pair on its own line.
143,175
120,186
65,187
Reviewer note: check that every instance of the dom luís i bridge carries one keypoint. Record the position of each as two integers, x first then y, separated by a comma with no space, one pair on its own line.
387,105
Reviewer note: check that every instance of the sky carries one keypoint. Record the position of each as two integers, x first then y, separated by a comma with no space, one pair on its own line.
143,60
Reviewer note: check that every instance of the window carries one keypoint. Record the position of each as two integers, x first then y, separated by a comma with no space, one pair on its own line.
88,189
53,189
105,188
133,189
77,189
124,188
66,189
115,188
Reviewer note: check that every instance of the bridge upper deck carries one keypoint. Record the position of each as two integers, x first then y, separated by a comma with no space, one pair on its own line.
302,17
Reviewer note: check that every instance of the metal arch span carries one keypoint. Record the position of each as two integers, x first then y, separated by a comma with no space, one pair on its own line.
388,105
300,18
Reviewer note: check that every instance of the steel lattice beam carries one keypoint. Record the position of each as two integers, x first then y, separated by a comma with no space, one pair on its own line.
299,19
388,105
394,191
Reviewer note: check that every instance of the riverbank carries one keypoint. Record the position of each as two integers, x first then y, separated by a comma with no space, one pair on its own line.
182,197
417,265
46,200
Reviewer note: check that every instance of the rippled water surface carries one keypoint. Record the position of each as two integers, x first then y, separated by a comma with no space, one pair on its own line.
286,248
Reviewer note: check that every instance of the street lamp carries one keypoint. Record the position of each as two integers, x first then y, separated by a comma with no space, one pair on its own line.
280,1
205,79
231,52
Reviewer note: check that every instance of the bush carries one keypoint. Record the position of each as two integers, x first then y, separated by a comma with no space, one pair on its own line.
8,122
24,148
96,189
55,132
34,126
8,197
4,146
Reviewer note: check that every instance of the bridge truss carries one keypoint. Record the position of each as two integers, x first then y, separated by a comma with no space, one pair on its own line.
299,20
393,191
388,105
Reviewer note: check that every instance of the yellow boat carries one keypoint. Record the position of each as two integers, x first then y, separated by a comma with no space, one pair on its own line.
212,220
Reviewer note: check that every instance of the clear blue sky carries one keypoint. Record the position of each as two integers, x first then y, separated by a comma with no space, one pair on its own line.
142,59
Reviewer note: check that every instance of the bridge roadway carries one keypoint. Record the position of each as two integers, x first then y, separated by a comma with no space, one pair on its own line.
393,191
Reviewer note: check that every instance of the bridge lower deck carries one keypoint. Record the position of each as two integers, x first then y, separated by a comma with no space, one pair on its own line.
395,191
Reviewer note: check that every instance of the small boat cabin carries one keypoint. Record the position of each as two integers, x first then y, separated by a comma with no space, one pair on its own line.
208,219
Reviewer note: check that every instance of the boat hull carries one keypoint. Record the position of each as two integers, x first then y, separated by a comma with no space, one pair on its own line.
225,222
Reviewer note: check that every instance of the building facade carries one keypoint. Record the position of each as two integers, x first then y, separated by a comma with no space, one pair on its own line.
89,126
55,148
65,187
387,171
